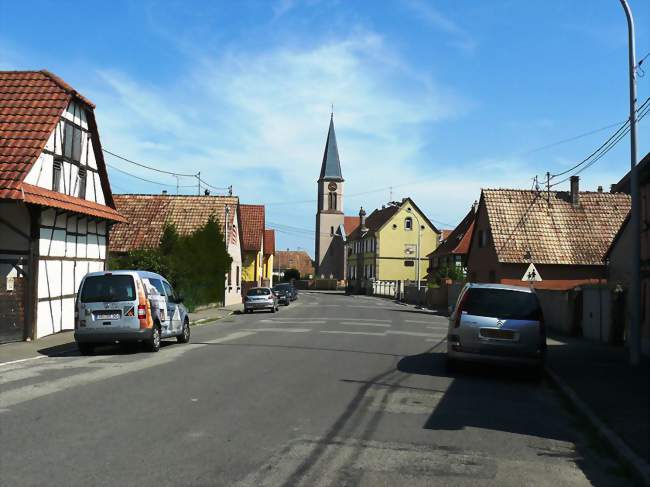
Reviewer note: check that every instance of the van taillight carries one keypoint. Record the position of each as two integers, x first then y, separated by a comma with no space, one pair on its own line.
459,310
142,311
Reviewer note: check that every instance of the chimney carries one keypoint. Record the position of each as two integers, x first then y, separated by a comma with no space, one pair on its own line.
600,189
362,217
612,188
164,192
575,191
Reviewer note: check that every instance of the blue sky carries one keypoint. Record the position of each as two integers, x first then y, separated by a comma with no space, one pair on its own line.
436,98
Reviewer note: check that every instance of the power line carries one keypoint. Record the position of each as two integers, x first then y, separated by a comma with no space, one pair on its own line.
147,180
147,166
616,134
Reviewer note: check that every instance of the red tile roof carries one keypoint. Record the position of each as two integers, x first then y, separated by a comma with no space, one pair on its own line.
444,234
296,259
350,223
252,226
44,197
457,241
553,232
147,215
269,242
31,105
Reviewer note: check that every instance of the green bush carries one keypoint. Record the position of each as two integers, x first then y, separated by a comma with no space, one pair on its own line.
450,271
195,264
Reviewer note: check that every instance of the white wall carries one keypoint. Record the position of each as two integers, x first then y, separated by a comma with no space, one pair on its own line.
70,246
233,293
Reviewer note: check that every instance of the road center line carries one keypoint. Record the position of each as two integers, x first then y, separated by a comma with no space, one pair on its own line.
333,332
356,323
285,330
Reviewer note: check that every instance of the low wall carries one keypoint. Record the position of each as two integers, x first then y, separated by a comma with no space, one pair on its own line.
559,310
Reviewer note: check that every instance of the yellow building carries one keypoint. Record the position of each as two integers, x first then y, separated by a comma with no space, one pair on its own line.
391,244
269,252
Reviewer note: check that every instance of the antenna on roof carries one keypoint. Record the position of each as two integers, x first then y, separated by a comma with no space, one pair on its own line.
332,112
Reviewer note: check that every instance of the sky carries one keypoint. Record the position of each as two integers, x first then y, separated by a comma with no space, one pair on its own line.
432,99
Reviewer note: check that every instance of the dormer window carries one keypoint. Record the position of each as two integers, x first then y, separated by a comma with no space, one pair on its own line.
71,142
408,223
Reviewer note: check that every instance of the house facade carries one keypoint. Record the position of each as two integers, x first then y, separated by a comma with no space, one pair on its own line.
619,264
384,247
563,234
269,254
56,205
453,248
147,215
252,235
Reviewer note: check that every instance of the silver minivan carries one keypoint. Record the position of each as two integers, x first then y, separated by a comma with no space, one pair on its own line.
497,323
128,306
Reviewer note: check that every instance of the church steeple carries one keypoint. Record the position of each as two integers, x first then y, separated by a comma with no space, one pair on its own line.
331,167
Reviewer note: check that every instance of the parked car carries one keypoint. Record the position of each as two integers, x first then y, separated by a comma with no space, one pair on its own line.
261,298
284,294
497,323
294,292
128,306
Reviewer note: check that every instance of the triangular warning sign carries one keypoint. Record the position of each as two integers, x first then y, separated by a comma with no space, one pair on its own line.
531,274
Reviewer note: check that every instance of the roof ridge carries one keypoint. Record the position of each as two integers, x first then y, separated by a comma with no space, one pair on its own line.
66,87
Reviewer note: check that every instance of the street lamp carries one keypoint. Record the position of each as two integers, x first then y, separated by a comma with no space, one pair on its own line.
417,249
635,213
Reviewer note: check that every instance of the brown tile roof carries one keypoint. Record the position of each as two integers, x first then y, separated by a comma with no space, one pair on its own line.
457,241
31,104
375,220
252,226
555,233
350,223
297,259
269,242
147,215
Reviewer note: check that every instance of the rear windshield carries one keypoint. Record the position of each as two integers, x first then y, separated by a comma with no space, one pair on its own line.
108,289
501,303
259,292
282,287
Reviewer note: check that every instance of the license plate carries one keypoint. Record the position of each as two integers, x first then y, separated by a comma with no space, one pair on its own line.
498,334
107,316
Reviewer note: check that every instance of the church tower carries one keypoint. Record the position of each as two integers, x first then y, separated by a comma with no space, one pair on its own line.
330,251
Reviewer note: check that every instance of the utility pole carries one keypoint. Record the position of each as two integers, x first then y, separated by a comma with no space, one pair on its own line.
634,342
198,178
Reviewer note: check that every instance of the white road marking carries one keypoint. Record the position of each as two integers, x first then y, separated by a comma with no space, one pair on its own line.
356,323
283,330
292,322
411,333
231,336
22,360
334,332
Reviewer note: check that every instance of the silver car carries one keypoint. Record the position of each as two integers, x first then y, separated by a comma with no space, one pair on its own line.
497,323
128,306
261,298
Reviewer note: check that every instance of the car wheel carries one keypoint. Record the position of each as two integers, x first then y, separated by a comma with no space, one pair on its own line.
153,344
86,348
184,337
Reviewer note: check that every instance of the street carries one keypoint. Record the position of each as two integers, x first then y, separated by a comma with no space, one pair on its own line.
333,390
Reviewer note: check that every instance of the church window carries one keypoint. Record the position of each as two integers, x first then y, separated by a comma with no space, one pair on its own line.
331,201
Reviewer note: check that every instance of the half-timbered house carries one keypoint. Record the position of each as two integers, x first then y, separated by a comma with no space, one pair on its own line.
55,202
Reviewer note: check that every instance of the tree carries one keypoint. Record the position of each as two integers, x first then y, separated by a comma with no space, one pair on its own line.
292,274
449,271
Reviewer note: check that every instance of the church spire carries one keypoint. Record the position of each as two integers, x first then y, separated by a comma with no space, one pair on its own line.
331,168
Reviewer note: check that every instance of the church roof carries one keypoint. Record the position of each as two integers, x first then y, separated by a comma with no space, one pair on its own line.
331,168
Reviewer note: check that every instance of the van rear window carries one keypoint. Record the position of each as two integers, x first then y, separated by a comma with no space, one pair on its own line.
502,303
111,288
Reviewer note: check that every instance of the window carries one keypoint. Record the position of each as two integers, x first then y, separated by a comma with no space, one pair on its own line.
258,291
71,142
331,231
158,285
482,238
56,176
229,278
81,177
409,263
501,303
170,292
237,277
331,201
408,223
108,288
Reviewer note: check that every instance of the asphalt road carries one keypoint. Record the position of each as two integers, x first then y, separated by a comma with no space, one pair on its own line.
330,391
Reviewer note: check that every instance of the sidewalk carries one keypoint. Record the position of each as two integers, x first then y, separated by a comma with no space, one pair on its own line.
62,343
599,381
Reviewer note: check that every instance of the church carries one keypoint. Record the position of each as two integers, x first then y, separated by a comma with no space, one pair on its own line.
332,226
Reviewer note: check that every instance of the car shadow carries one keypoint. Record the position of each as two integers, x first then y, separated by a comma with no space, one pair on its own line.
512,400
71,350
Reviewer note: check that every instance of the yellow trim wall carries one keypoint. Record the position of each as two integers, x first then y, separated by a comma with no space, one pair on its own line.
250,261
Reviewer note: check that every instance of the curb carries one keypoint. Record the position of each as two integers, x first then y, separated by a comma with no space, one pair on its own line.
625,453
204,321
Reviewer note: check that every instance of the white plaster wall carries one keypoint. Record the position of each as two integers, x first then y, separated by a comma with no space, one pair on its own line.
234,250
98,189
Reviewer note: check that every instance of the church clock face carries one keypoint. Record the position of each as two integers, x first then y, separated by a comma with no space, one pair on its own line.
332,186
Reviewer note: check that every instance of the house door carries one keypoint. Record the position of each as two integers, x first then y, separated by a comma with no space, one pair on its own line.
12,308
